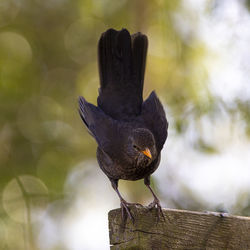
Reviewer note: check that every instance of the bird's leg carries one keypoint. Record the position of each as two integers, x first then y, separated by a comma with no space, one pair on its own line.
124,204
156,202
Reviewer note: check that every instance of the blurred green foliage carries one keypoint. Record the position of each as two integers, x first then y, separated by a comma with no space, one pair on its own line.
48,57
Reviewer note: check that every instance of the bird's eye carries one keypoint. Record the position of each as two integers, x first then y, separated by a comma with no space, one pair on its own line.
135,147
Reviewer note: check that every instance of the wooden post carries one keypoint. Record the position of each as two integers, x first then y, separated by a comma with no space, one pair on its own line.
180,230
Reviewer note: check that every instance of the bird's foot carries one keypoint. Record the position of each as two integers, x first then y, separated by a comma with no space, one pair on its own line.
156,204
126,211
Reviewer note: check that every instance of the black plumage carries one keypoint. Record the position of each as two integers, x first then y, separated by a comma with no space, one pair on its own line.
130,133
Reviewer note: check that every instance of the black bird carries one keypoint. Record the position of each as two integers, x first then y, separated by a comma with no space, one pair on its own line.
130,133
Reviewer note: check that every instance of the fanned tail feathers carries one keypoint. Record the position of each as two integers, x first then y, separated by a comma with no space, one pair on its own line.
122,60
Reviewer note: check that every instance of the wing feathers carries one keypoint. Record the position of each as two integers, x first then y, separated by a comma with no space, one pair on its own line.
153,116
100,126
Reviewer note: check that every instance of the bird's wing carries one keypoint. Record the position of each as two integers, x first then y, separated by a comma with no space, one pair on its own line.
154,118
102,127
122,60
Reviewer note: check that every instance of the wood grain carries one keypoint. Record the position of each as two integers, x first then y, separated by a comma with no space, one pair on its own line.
180,230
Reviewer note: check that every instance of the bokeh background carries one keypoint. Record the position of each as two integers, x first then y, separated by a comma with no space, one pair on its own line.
53,195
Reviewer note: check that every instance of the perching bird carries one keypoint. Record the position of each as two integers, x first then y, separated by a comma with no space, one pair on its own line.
130,133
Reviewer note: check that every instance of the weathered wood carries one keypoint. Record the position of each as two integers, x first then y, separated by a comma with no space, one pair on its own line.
180,230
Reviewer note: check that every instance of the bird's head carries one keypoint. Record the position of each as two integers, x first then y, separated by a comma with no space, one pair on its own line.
141,147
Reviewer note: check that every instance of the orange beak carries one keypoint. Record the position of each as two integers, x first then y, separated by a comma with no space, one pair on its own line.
147,153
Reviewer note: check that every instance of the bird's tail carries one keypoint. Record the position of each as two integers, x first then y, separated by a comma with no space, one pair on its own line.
122,60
